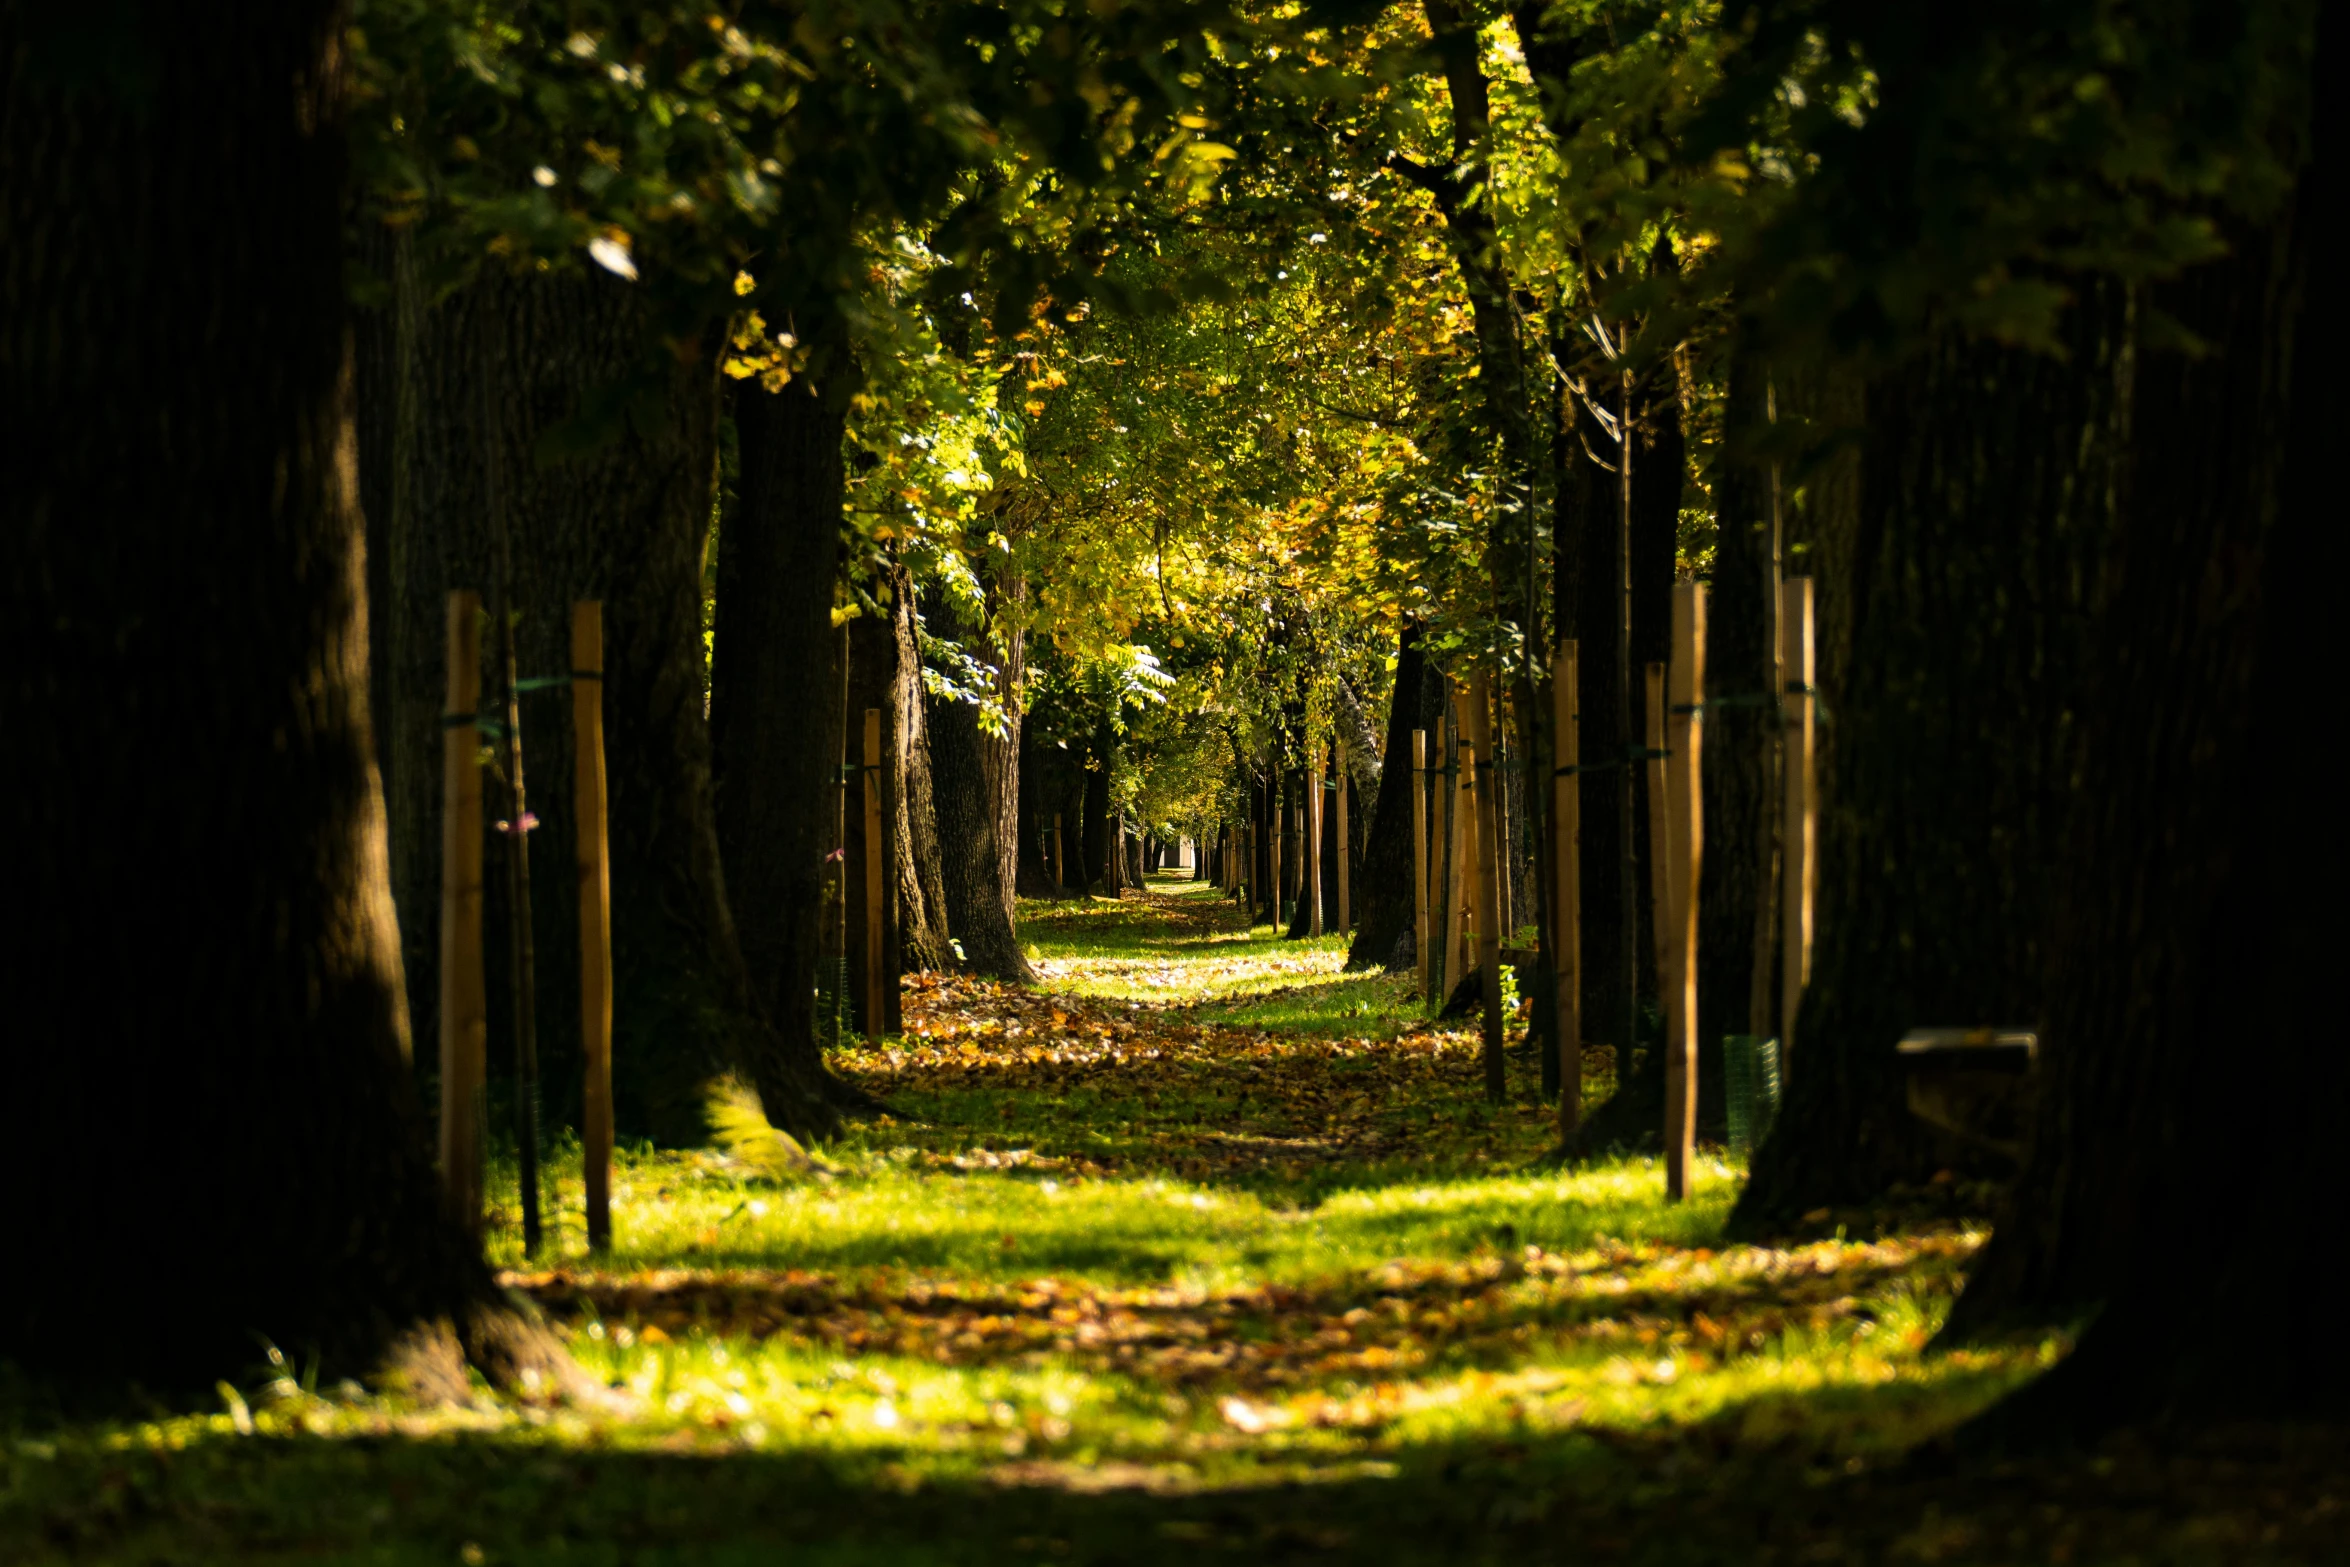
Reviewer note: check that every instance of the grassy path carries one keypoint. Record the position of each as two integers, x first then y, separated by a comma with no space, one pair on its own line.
1203,1248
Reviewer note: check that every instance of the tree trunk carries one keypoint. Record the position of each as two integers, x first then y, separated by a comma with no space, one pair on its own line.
968,794
2191,933
885,674
1740,738
1987,488
1096,873
775,727
184,575
1634,1113
1383,888
516,370
1032,873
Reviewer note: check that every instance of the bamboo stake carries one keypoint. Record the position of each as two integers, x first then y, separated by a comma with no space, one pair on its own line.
1420,854
1686,805
1345,882
465,1023
1566,907
1312,890
1660,837
874,1015
1480,710
1799,857
595,914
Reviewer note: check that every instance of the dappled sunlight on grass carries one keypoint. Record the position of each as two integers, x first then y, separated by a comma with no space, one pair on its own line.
1134,1258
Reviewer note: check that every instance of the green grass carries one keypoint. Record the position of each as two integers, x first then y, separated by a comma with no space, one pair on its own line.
1206,1250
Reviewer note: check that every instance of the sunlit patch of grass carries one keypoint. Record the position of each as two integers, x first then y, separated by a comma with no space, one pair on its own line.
1116,1238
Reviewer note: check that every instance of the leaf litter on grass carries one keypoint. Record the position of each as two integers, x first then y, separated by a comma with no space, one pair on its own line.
1200,1247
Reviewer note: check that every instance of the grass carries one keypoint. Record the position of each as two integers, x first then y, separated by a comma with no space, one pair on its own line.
1204,1249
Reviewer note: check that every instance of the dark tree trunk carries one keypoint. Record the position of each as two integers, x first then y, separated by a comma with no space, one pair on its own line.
604,508
1383,888
1096,873
773,665
1740,739
2193,935
1987,488
1033,872
885,675
183,577
968,795
1634,1114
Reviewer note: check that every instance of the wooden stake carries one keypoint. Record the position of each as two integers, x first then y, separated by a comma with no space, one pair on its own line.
1345,883
1685,803
1566,819
1459,878
1479,699
1278,826
1420,854
595,914
1660,836
465,1021
1060,873
1312,890
874,1015
1798,856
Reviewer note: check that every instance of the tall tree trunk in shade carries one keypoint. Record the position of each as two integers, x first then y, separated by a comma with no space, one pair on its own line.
1033,817
1740,737
1000,754
885,676
774,732
1634,1113
968,794
183,574
1988,481
1383,891
1094,874
599,507
2192,1085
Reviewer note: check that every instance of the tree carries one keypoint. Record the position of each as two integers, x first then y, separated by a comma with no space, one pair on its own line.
2209,617
185,569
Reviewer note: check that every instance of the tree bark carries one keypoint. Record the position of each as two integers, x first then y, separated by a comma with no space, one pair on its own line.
1633,1114
1987,489
1383,888
1032,873
774,664
614,505
183,572
968,792
2191,934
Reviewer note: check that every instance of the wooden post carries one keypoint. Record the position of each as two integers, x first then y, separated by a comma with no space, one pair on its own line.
465,1022
1458,875
1479,698
1566,909
1420,854
1660,836
1800,838
1060,874
1345,881
1313,813
595,914
1685,803
875,1016
1275,824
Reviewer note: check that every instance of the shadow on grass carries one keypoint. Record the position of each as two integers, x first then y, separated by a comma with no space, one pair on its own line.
1712,1492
